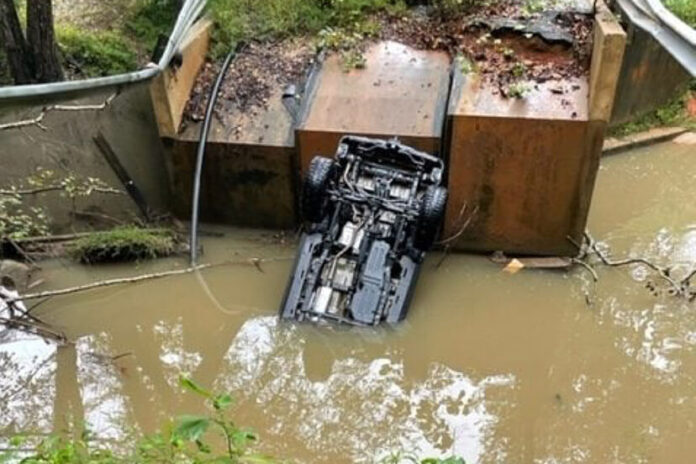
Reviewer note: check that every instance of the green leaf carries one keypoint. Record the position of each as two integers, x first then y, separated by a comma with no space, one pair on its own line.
450,460
17,441
190,385
257,459
191,428
222,402
242,437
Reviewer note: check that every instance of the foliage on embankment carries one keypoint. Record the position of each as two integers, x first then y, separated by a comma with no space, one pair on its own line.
685,9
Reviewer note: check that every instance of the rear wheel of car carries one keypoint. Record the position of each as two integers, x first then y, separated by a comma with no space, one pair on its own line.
314,198
431,212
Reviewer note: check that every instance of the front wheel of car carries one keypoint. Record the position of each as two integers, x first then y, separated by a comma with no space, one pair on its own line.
431,213
316,183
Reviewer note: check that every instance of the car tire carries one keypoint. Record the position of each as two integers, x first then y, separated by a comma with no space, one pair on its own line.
431,212
314,198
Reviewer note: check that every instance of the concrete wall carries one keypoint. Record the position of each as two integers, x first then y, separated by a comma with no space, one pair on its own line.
67,146
247,185
649,77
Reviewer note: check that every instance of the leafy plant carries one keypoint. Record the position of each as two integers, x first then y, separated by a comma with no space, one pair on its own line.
346,42
401,457
18,220
186,442
518,69
518,90
466,66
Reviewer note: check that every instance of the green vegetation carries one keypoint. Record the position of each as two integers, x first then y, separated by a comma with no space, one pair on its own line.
127,243
93,54
239,20
150,19
673,113
19,219
519,89
187,440
685,9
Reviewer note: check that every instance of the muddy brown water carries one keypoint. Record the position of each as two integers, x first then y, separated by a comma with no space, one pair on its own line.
490,366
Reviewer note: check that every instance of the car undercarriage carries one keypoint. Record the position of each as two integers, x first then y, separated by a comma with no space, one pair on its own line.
371,213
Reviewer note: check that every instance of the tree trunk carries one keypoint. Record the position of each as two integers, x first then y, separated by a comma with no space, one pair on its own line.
41,40
18,54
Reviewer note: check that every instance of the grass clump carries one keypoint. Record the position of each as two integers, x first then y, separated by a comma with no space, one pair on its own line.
94,54
128,243
240,20
685,9
673,113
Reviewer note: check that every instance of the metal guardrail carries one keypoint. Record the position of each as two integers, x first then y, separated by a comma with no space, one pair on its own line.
671,32
190,11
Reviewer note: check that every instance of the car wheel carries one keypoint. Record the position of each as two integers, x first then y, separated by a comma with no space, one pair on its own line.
314,198
431,213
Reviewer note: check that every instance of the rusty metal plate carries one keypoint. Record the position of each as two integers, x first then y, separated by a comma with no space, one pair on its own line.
565,99
268,126
528,167
401,93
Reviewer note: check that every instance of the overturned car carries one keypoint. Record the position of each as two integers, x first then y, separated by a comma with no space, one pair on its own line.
372,212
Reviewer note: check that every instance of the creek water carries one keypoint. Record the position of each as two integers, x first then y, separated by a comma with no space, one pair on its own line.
532,367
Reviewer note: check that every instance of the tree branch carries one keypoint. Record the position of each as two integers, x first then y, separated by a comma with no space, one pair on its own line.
681,288
140,278
56,188
38,120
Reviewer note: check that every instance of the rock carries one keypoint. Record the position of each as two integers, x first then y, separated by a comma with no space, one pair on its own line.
19,272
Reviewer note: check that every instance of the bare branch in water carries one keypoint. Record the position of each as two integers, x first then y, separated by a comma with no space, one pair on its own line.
129,280
681,288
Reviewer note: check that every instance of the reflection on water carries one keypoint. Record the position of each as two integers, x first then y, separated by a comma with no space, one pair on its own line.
28,366
343,414
536,367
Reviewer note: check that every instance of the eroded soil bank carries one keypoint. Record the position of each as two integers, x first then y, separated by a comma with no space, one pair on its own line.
531,367
511,44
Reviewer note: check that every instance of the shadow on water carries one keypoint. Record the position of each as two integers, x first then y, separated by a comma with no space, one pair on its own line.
490,366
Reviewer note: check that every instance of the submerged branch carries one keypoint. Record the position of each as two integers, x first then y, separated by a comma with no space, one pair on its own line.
465,222
662,272
34,329
140,278
681,288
